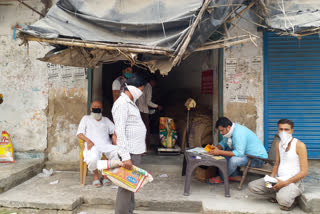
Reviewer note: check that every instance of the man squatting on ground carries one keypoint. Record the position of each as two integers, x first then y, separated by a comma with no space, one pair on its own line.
291,166
131,135
95,131
237,141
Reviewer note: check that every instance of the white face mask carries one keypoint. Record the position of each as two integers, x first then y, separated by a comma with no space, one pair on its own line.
229,136
135,92
96,116
285,138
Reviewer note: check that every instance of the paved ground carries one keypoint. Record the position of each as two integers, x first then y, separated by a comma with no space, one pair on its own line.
12,174
164,195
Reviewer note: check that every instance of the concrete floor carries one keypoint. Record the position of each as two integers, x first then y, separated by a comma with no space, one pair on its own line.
163,195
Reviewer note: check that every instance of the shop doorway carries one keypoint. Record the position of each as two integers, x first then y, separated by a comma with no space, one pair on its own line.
184,81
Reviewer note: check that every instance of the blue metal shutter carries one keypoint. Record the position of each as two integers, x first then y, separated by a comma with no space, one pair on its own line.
292,87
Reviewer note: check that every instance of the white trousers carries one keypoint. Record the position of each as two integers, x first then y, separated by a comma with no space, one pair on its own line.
95,153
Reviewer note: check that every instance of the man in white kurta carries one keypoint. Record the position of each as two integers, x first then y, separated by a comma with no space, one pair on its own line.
143,103
95,130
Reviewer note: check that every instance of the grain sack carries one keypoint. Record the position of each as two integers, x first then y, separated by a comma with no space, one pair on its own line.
6,149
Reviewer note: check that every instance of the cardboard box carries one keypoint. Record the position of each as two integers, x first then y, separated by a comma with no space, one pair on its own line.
203,173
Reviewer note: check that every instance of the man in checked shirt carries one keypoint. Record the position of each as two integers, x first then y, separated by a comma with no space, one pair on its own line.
131,134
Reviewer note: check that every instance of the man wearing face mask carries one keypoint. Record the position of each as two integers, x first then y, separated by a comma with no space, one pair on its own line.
290,167
131,134
95,131
238,141
119,83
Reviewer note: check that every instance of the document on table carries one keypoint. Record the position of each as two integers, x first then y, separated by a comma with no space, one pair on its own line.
197,150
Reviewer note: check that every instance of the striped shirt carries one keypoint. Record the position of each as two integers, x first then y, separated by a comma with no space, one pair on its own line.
129,127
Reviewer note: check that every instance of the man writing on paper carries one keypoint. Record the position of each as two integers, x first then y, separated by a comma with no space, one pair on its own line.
290,167
131,135
237,141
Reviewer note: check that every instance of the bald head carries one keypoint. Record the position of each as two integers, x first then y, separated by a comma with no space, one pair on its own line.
96,104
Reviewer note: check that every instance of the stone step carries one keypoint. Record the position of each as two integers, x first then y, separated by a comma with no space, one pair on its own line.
13,174
108,209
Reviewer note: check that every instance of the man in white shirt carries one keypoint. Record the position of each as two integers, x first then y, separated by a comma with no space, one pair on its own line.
290,167
119,82
95,131
131,134
143,103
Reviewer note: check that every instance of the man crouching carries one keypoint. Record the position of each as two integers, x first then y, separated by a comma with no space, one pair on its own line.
291,166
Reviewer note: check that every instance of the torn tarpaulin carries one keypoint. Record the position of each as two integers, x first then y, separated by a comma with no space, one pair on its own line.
162,24
158,23
293,16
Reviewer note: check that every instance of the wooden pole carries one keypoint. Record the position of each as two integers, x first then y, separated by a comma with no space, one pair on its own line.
103,46
31,8
242,11
223,45
190,33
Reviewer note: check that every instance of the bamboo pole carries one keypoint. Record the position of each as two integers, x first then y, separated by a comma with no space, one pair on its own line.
223,45
242,11
190,33
103,46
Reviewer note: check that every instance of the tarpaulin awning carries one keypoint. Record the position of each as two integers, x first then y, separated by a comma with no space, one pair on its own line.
295,17
162,26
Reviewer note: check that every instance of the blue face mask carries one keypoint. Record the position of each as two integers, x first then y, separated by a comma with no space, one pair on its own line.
127,75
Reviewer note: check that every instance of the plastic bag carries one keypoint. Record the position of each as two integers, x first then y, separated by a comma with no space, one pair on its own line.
131,180
208,148
6,149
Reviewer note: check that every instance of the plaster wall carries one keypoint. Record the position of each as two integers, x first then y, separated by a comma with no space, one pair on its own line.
24,81
243,79
43,103
68,95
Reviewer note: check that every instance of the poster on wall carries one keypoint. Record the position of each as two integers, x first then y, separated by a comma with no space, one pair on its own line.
207,82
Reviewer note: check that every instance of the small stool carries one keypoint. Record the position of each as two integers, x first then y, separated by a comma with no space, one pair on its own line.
190,163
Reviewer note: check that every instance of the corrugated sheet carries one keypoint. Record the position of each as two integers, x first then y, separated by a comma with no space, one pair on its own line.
292,87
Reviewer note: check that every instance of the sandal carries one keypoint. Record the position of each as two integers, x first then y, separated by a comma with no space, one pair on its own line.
214,181
288,208
106,182
273,200
96,183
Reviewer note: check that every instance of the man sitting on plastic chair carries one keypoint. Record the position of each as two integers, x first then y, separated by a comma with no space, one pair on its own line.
95,131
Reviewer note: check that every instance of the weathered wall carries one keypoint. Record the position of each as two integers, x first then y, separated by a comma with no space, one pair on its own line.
243,80
43,103
68,94
24,82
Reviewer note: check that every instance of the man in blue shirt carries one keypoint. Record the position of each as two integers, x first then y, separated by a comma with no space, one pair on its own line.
238,141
